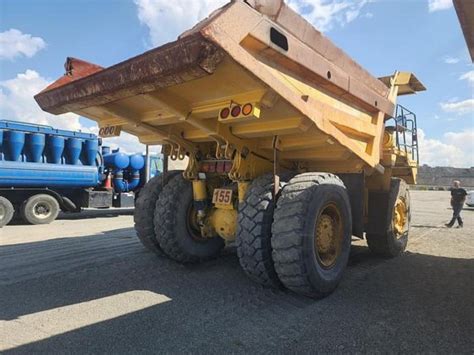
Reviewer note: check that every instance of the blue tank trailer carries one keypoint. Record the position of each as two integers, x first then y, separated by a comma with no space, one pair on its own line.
44,171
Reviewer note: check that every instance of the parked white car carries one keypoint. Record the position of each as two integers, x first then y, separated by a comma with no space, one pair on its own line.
470,198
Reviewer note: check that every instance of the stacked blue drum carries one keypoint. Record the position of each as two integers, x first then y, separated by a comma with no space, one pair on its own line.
41,156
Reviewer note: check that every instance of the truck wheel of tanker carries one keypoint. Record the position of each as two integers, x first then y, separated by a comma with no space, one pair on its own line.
176,226
390,219
312,234
254,231
40,209
6,211
145,210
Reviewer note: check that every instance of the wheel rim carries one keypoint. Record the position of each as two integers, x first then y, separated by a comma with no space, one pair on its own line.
3,212
42,210
192,224
328,236
400,217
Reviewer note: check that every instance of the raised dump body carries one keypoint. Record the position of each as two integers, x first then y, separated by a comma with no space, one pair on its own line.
264,106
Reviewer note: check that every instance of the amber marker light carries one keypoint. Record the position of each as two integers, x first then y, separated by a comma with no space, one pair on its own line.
235,111
247,109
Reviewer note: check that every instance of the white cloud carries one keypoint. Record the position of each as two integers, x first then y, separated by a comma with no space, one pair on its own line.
455,149
469,76
459,107
167,19
437,5
17,103
324,14
451,60
14,43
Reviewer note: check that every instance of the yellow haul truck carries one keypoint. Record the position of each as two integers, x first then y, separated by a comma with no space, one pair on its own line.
292,147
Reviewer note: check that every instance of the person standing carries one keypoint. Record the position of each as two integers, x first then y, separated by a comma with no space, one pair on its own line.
458,197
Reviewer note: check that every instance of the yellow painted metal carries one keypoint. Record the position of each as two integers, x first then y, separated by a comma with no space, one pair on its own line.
242,187
199,190
400,217
328,236
224,222
402,83
249,167
388,140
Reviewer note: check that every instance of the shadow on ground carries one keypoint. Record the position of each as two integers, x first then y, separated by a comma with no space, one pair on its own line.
85,214
415,302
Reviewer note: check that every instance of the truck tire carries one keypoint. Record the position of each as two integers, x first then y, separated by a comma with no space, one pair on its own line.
312,234
254,231
145,210
389,220
6,211
175,229
40,209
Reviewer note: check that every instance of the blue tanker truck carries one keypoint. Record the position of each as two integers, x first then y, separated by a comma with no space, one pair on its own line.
44,171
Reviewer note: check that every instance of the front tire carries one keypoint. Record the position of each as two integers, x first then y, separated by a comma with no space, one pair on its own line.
180,238
6,211
40,209
389,220
312,234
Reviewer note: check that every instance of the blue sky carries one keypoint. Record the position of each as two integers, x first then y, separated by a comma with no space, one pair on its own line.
422,36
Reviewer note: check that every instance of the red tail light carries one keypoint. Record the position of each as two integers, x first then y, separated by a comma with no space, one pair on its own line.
225,113
235,111
220,167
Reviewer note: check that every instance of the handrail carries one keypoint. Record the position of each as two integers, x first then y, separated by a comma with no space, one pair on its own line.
406,120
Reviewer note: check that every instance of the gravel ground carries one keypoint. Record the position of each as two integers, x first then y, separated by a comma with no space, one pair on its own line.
84,284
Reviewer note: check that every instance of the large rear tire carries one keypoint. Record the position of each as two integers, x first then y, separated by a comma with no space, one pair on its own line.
145,210
6,211
389,220
254,232
312,234
40,209
175,228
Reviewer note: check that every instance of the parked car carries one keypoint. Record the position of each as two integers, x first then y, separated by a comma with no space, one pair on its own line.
470,199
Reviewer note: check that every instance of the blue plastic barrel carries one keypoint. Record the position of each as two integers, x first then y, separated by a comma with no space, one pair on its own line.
73,150
1,144
14,142
136,162
116,160
35,143
54,149
89,151
105,150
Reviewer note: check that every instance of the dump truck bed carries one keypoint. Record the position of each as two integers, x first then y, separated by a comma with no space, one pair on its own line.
307,96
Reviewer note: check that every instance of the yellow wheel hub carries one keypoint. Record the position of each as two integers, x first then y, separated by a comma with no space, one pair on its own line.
328,236
400,216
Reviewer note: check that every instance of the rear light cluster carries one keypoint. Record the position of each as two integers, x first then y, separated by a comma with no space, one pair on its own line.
236,111
220,166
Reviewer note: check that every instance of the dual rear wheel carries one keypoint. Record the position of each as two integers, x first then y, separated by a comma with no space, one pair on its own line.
301,242
36,209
